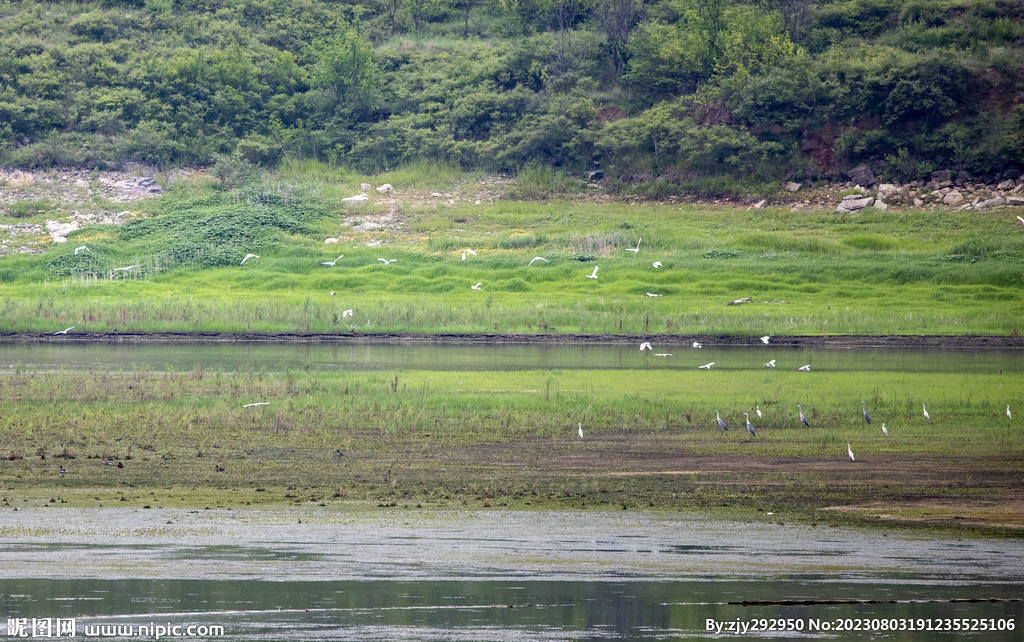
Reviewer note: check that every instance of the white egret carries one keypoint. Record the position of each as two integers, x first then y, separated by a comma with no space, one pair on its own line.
346,313
247,257
537,258
581,431
1020,219
696,344
634,250
925,411
802,418
664,354
65,331
594,274
81,248
656,264
864,409
333,293
884,431
721,424
765,339
806,368
332,263
258,403
1008,415
477,286
758,410
646,345
706,366
849,451
653,295
465,252
750,428
385,261
132,267
770,364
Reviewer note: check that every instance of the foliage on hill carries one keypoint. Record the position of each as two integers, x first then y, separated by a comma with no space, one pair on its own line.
678,89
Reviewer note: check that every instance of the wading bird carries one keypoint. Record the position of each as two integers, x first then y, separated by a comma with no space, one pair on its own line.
864,409
636,249
258,403
656,264
750,428
105,462
385,261
346,313
594,274
62,471
465,252
664,354
696,344
770,364
339,453
849,451
721,424
333,293
81,249
706,366
1021,220
537,258
132,267
247,257
332,263
925,411
581,431
765,339
477,286
806,368
758,410
652,295
645,346
1008,415
884,431
65,331
802,418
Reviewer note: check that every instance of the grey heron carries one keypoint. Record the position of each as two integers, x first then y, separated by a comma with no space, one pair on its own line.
802,418
925,411
706,366
750,428
636,249
465,252
849,451
332,263
537,258
65,331
247,257
477,286
258,403
593,275
864,409
721,424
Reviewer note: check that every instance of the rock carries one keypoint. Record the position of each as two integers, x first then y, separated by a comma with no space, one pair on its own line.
806,145
886,190
861,175
1012,173
385,189
358,198
436,194
880,204
941,175
965,206
792,187
331,241
953,198
945,184
59,231
1006,184
760,205
853,203
1015,200
993,202
365,187
918,202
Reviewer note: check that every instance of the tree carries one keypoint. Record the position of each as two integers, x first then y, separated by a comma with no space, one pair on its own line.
564,14
619,20
345,71
419,9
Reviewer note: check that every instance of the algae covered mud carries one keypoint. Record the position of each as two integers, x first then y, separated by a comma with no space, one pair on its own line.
357,573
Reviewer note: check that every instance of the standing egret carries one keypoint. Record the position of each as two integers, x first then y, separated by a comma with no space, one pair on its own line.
770,364
464,253
706,366
925,410
581,431
864,409
477,286
721,424
765,339
81,248
884,431
656,264
594,274
849,451
346,313
750,428
806,368
636,249
758,409
1008,415
696,344
247,257
646,345
385,261
802,418
65,331
332,263
537,258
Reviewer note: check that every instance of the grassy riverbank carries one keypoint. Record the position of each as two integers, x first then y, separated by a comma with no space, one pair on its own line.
810,271
495,439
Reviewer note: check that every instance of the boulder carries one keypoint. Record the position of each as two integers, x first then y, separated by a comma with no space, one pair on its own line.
595,175
1006,184
792,187
760,205
880,204
365,187
1012,173
1015,200
953,198
853,203
385,189
941,175
861,175
331,241
886,190
358,198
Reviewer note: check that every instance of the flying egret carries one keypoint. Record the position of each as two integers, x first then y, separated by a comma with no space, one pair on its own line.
332,263
258,403
721,424
925,410
750,428
864,409
1008,415
849,451
706,366
656,264
646,345
594,275
247,257
806,368
537,258
696,344
764,339
581,431
465,252
770,364
1020,219
758,410
664,354
346,313
477,286
653,295
65,331
634,250
802,418
132,267
81,248
884,431
385,261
